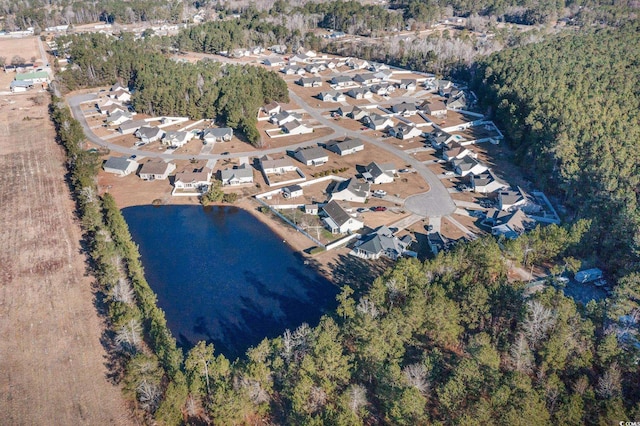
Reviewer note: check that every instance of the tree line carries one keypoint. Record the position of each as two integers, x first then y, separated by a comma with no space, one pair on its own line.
230,94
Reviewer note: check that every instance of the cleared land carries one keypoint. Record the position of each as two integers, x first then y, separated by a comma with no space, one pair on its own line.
51,356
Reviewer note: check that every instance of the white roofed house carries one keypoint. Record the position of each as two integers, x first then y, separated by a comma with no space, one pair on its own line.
311,156
338,221
276,166
351,190
360,93
468,165
486,183
377,122
405,108
296,128
118,117
221,134
309,81
175,138
381,242
196,180
121,95
121,166
404,131
236,176
332,96
155,169
379,173
345,147
284,117
148,134
292,191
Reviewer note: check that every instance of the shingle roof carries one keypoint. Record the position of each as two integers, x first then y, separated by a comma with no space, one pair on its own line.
117,163
336,213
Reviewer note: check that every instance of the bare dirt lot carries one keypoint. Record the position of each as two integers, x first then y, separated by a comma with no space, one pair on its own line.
53,363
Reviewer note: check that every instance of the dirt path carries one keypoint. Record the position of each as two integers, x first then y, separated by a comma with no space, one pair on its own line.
52,364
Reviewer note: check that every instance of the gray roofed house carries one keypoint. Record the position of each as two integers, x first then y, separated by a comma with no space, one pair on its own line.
351,190
382,89
358,113
380,173
237,175
377,122
338,221
405,108
156,169
311,156
331,96
459,102
309,81
381,242
276,166
468,165
272,108
20,85
366,78
221,134
455,150
148,134
118,117
345,147
508,224
344,110
408,83
341,80
198,181
176,138
296,128
404,131
486,182
437,242
131,126
273,61
360,93
121,166
284,117
434,107
292,191
509,199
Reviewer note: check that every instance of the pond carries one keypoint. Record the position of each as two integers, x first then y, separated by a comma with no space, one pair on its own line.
223,276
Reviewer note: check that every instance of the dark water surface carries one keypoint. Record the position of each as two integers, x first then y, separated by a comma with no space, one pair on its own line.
222,276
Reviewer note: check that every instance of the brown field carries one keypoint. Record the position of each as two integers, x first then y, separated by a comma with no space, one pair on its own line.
53,361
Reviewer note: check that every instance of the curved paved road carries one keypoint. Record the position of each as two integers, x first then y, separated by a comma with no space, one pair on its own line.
434,203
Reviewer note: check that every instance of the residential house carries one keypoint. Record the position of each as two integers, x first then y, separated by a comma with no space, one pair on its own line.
443,87
468,165
377,66
437,242
508,224
131,126
221,134
379,173
148,134
344,111
284,117
332,96
156,169
459,102
441,140
381,242
17,86
486,183
377,122
272,108
309,81
366,78
237,175
116,87
121,166
358,113
299,58
351,190
311,209
121,95
314,68
404,131
276,166
357,64
296,128
292,191
360,93
34,77
383,75
341,81
257,50
382,89
338,221
405,109
408,84
109,108
311,156
274,61
118,117
279,49
178,139
510,199
293,70
197,180
456,151
345,147
434,107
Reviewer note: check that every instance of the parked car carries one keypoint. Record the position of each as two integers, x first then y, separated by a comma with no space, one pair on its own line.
225,153
405,171
379,193
363,209
133,157
449,173
379,209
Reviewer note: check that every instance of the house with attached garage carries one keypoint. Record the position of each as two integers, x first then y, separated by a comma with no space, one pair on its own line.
510,199
344,111
332,96
197,180
357,64
408,84
366,78
118,117
276,166
382,89
441,140
311,156
148,134
338,221
341,81
459,102
293,70
404,131
296,128
272,108
360,93
131,126
508,224
377,122
121,166
358,113
434,107
468,165
405,109
383,75
455,151
486,183
345,147
155,169
273,61
315,68
309,81
221,134
236,176
379,173
121,95
284,117
174,138
351,190
292,191
381,242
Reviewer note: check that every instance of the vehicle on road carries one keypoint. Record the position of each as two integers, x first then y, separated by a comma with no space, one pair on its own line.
133,157
225,153
379,209
406,171
449,173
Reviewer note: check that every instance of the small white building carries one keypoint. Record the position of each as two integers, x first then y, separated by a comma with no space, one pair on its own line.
292,191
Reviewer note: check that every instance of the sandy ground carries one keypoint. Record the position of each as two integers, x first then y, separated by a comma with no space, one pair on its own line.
51,356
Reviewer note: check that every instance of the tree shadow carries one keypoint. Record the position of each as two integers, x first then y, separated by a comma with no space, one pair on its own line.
355,272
